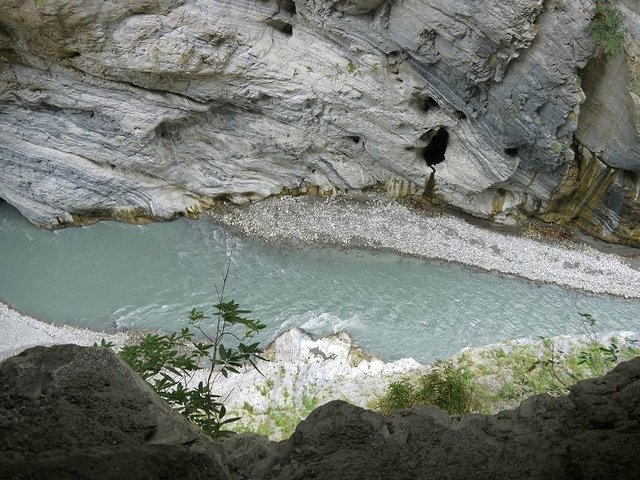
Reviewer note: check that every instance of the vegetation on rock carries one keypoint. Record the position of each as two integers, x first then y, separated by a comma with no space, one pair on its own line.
169,363
608,29
447,386
501,377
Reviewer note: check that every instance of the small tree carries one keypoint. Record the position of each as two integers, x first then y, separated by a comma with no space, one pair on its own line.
169,362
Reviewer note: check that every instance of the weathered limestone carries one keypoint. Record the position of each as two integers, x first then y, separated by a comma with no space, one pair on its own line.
602,190
151,109
75,412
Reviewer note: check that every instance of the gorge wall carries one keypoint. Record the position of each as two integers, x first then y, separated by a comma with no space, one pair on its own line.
148,108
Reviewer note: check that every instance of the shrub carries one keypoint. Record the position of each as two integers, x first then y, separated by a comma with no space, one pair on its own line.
169,363
593,359
607,29
446,386
450,388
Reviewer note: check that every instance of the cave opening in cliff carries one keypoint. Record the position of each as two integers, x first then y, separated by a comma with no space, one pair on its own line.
423,103
288,6
281,26
512,151
428,103
461,115
435,150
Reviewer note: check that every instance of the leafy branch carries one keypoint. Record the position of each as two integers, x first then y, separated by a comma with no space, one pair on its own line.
170,362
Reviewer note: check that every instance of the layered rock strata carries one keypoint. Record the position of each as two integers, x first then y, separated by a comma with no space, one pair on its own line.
74,412
151,109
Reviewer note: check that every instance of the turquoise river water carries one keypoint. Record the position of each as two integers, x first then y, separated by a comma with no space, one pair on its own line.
112,275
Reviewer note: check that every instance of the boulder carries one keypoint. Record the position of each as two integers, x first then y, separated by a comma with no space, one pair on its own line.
73,412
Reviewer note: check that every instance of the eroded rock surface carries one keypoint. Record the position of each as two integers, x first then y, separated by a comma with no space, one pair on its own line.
74,412
77,413
155,108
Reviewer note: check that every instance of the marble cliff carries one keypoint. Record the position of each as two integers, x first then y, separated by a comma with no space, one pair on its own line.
156,108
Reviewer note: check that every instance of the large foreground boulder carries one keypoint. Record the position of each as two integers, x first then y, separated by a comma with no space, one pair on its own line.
73,412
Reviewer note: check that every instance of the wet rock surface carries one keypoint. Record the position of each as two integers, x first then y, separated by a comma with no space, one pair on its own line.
74,412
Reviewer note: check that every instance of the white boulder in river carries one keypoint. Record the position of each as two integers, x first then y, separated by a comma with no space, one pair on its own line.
156,108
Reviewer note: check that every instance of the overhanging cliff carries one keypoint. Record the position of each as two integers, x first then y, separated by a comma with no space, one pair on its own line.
157,108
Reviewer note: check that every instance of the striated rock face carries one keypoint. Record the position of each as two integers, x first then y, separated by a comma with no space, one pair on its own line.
156,108
602,190
74,412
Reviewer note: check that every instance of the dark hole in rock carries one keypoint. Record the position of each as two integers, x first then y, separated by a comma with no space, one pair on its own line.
461,115
281,26
288,6
161,131
354,138
399,80
423,102
71,54
409,148
512,151
428,104
434,153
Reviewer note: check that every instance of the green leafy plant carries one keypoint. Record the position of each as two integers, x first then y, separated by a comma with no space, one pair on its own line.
170,362
564,369
597,357
351,68
447,386
607,29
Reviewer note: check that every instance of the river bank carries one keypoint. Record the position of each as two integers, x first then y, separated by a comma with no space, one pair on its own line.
304,372
380,223
19,332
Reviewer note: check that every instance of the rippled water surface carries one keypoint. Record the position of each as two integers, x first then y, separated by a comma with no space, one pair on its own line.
113,274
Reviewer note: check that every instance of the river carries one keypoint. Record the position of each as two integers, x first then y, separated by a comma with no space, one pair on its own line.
112,275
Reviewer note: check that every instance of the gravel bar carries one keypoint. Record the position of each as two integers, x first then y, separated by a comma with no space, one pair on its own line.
380,223
19,332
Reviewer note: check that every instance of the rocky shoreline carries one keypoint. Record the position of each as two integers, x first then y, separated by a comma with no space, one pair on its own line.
380,223
304,372
19,332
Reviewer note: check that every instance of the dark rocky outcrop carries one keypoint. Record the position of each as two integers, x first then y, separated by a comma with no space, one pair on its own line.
75,412
72,412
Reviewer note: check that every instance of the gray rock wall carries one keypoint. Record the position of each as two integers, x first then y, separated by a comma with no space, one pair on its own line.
157,108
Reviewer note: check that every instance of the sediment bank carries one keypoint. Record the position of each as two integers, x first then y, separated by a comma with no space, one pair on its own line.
380,223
